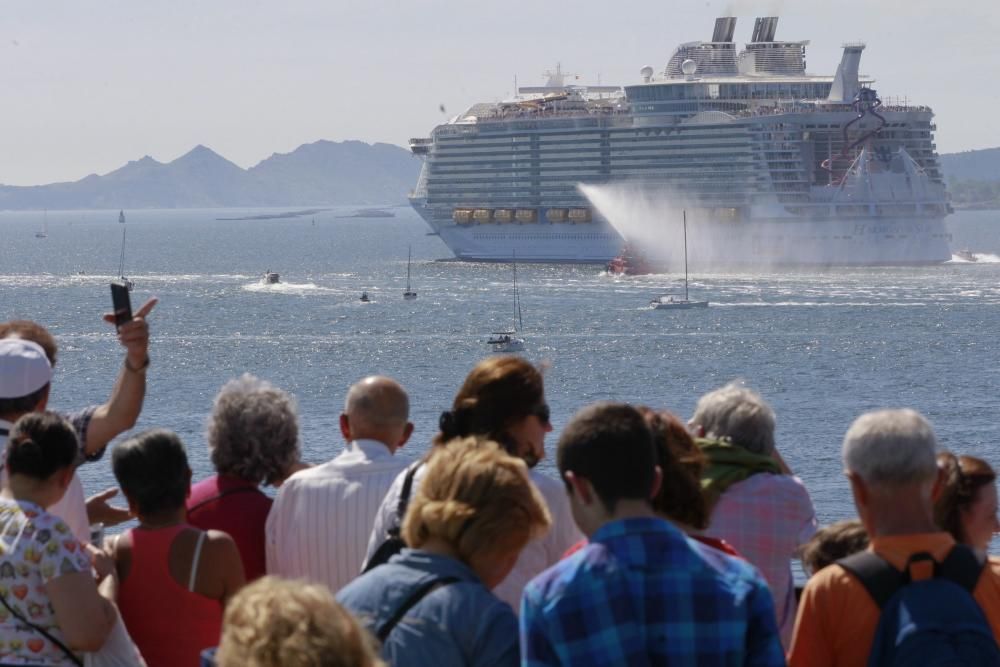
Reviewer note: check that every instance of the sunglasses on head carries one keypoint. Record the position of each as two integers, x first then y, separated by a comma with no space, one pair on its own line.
542,412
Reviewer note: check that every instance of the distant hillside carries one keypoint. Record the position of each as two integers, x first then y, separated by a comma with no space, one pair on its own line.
321,173
973,178
981,165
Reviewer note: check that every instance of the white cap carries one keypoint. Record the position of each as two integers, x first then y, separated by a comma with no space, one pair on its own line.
24,368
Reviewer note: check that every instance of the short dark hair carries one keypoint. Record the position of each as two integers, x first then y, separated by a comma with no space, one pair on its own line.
609,445
831,543
22,404
152,469
41,443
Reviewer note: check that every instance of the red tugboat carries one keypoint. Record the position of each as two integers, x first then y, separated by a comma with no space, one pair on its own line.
628,263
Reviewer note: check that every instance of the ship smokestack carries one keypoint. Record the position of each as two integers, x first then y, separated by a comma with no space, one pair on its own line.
764,28
845,84
725,27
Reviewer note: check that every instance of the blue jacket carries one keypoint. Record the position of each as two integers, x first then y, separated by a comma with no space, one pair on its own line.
458,624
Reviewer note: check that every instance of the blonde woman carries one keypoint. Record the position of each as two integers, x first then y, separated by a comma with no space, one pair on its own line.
277,622
431,605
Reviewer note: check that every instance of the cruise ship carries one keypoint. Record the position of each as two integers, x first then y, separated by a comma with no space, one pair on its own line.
770,163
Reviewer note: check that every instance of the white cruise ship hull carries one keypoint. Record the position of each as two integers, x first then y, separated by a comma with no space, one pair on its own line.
777,242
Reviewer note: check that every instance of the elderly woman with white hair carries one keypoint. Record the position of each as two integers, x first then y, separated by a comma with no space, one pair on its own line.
253,438
758,506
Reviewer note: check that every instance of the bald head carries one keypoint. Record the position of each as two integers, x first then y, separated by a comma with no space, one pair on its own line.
377,408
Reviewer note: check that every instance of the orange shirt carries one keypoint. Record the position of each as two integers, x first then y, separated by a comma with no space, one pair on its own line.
836,622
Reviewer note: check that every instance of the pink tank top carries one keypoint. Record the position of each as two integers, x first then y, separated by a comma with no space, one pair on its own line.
170,624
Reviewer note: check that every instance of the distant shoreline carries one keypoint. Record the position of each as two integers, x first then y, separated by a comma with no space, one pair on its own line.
279,216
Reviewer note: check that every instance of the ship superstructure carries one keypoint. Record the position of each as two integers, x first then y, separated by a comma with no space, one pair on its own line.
771,163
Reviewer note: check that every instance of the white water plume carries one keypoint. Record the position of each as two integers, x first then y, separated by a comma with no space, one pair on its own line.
651,222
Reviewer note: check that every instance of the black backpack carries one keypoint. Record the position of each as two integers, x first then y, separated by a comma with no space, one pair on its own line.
393,542
932,621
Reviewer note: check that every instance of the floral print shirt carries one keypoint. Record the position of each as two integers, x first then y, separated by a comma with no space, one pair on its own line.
35,548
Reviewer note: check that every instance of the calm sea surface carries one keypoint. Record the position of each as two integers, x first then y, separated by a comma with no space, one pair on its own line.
821,346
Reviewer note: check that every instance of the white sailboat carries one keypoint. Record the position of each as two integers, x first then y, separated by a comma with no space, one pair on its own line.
503,342
121,262
409,294
667,301
45,226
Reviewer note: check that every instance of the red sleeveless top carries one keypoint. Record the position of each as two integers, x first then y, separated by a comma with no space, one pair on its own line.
170,624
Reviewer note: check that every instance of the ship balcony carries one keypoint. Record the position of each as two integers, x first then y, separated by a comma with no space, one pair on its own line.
421,146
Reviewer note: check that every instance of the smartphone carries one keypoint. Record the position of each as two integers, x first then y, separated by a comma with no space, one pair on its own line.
121,302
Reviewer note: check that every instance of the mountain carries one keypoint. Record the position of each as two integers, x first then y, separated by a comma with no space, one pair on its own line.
981,165
321,173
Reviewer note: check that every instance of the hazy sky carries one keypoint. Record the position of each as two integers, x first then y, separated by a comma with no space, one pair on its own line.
87,86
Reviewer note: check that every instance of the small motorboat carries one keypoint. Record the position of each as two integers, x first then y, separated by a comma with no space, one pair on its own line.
270,278
628,263
966,255
364,297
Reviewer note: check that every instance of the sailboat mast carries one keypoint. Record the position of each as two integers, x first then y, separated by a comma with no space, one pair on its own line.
685,255
517,301
409,251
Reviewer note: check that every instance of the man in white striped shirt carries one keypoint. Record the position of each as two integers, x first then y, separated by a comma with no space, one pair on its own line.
319,525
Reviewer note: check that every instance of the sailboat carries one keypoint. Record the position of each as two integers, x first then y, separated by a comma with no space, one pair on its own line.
121,262
667,301
508,341
45,226
409,294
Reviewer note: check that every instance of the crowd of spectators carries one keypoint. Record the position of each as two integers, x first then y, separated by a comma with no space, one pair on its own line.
660,542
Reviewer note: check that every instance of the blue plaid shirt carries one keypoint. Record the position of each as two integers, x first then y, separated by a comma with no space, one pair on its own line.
641,593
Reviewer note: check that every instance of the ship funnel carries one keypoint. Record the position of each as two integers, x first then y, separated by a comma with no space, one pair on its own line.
724,29
764,29
845,83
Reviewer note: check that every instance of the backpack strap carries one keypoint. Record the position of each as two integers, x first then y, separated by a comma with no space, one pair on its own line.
404,494
876,574
963,567
882,580
386,628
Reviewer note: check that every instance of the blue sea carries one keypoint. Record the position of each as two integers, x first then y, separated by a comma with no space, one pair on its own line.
822,346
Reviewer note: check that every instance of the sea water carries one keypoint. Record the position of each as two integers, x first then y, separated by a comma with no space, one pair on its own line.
822,346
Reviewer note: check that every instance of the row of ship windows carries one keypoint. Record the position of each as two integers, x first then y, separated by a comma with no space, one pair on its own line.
631,134
489,236
709,152
652,137
570,183
526,171
689,91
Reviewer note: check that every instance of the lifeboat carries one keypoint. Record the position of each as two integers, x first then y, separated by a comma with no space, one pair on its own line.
503,215
556,215
482,216
579,215
524,215
462,216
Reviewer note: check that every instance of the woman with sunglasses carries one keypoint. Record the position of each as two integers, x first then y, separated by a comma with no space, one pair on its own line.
503,400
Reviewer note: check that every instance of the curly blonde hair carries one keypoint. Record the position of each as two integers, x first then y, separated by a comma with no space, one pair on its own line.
276,622
476,498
